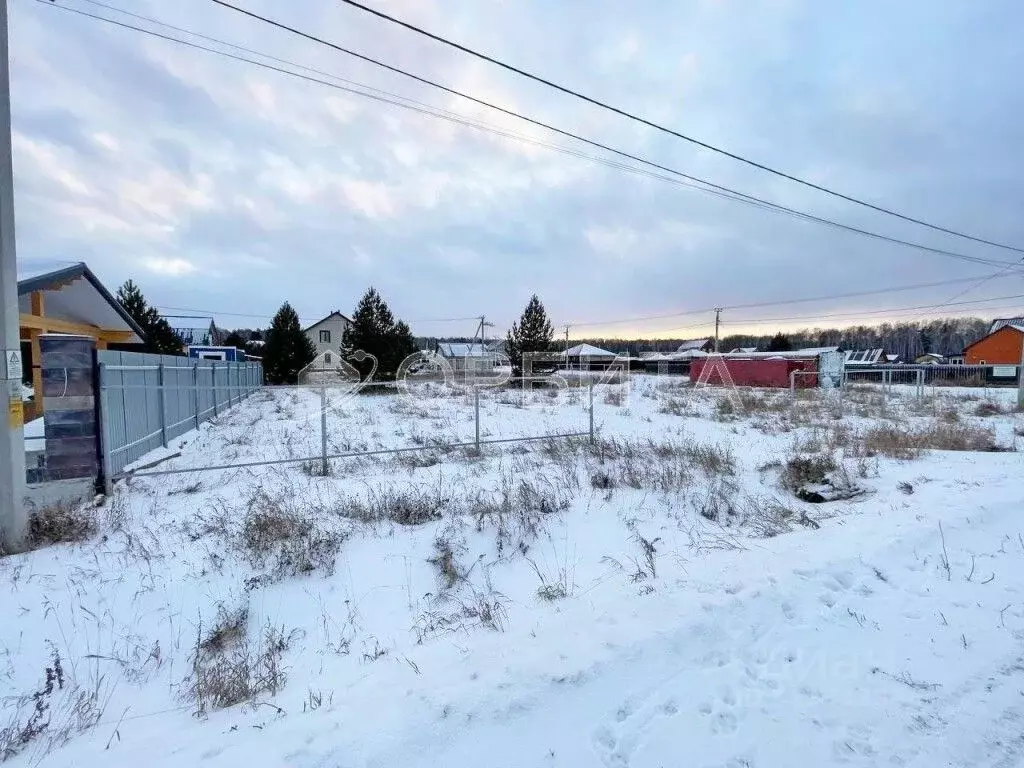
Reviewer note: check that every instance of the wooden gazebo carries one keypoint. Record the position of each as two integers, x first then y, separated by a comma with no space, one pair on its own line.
68,300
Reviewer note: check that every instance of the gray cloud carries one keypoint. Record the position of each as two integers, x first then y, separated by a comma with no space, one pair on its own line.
219,185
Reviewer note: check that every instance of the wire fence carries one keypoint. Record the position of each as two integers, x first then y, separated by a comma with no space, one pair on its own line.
147,400
314,426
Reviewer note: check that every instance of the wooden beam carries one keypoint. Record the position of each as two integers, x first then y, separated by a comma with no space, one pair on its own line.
50,324
31,323
37,371
36,301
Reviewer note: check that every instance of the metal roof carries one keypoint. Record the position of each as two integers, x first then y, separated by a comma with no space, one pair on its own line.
693,344
588,350
463,349
55,280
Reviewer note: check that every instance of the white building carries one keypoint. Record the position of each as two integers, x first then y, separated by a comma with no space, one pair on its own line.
326,334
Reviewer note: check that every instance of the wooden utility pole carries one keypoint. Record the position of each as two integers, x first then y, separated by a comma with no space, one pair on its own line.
718,318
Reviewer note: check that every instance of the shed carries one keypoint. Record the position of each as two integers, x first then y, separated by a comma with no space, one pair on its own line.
68,300
468,356
771,369
586,357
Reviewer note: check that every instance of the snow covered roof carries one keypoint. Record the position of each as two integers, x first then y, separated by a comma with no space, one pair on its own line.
588,350
1000,322
864,356
688,354
462,349
745,350
693,344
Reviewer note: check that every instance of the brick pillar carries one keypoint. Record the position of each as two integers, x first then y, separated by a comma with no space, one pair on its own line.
69,406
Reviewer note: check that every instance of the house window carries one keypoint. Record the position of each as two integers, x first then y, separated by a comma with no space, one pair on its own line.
325,337
327,358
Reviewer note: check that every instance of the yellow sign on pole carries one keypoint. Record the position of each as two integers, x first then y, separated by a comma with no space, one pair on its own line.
15,412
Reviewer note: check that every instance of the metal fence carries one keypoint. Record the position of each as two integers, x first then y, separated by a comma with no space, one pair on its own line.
147,400
316,445
936,375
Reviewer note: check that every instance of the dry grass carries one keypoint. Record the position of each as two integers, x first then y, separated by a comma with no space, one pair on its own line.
61,524
286,539
229,668
413,506
801,470
898,442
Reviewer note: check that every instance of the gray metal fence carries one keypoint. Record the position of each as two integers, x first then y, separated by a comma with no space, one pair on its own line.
148,400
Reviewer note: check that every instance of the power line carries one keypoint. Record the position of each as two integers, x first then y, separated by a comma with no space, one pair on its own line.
875,311
605,147
805,300
669,131
407,103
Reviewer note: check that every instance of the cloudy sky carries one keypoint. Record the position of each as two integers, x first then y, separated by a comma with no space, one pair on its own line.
226,188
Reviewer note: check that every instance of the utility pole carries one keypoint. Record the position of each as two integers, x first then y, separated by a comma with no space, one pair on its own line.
13,515
718,318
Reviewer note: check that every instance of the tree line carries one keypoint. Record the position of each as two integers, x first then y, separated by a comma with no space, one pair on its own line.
286,350
284,347
947,336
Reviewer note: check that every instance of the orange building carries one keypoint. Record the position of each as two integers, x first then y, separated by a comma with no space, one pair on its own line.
1001,347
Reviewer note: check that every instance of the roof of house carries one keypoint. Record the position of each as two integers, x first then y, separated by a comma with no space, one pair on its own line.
693,344
71,294
745,350
462,349
1014,325
1000,322
864,356
335,313
588,350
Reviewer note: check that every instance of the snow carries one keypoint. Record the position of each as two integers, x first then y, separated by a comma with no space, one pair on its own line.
588,350
35,435
843,640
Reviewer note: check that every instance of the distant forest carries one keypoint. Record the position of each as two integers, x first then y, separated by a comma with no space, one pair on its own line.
947,336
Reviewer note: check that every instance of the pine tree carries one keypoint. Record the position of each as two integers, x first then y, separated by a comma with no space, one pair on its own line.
375,331
287,349
533,333
779,343
160,338
234,339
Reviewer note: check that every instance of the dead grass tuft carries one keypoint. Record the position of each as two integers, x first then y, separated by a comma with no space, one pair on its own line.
287,540
801,470
904,443
61,524
235,669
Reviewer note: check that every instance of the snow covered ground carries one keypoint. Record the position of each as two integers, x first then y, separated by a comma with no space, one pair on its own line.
659,598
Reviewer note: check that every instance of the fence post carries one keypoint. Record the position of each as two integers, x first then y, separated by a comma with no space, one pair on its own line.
195,391
476,414
104,425
590,395
792,384
325,470
162,398
213,386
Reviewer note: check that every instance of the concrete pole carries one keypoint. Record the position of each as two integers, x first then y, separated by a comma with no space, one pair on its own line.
718,320
13,515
